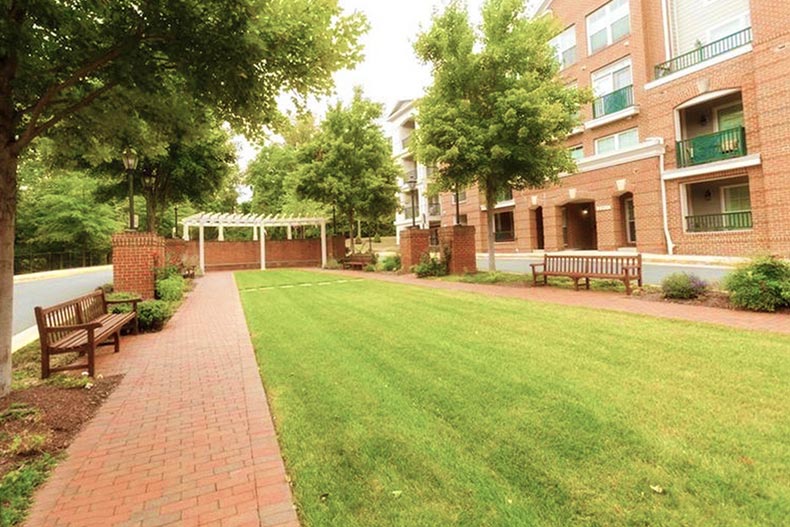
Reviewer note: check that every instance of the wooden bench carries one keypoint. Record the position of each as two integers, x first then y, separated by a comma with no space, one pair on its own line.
625,268
80,326
357,261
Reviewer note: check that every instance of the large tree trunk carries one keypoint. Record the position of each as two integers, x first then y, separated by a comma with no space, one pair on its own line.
151,217
8,184
490,202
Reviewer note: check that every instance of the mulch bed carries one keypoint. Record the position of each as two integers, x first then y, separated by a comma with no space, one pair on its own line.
711,299
54,412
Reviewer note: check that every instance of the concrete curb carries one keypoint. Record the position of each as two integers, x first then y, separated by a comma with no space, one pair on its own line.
33,277
22,339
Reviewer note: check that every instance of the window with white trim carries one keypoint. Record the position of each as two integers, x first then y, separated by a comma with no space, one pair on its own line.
730,27
618,141
608,25
612,78
564,46
577,152
461,196
735,198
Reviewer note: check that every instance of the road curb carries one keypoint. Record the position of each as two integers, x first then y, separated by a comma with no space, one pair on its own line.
23,338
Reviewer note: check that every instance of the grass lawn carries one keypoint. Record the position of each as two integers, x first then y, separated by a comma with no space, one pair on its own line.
408,406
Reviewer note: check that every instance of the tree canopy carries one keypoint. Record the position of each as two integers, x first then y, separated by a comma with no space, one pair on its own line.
236,56
349,165
497,112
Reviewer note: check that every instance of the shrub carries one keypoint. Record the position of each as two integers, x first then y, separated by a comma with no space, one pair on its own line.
331,263
683,286
152,314
26,444
761,285
377,238
390,263
121,308
430,266
168,271
107,288
171,289
370,268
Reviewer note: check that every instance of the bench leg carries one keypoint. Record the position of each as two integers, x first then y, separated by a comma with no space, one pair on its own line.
587,283
92,361
136,326
627,286
44,363
576,284
118,341
545,279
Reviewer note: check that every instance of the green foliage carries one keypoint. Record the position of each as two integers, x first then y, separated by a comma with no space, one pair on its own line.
683,286
152,314
498,112
17,488
107,288
168,271
493,278
171,289
26,444
120,308
430,266
370,268
761,285
390,263
349,165
19,411
331,263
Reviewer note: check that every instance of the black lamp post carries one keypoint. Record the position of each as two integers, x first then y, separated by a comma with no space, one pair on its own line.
149,183
457,206
175,228
129,157
413,190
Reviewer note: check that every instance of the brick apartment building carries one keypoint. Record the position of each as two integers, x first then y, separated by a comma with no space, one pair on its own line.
686,148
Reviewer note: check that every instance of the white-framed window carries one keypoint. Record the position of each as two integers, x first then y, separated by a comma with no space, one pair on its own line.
608,25
564,46
730,27
630,220
577,152
612,77
461,196
618,141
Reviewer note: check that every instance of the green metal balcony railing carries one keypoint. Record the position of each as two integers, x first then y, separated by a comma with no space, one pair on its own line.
726,221
703,53
702,149
613,102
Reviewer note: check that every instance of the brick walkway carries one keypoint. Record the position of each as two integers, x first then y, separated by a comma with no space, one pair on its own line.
186,439
602,300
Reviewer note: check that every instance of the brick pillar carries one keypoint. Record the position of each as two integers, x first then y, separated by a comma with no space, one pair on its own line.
135,257
608,225
413,244
458,242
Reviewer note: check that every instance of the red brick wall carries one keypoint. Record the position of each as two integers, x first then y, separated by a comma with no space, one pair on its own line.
247,254
460,240
135,257
413,244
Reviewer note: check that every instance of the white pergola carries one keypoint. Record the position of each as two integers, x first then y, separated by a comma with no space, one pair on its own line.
258,223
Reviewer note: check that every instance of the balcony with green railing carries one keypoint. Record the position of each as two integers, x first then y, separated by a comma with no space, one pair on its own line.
703,53
725,221
709,148
613,102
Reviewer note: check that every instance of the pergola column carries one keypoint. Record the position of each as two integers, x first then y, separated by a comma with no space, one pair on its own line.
255,234
263,248
323,244
186,233
221,236
201,248
289,233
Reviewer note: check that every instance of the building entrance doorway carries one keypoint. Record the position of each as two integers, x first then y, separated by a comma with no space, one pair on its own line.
580,231
540,240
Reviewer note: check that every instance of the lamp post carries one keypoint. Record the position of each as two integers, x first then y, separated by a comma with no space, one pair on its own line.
175,224
129,157
149,184
412,190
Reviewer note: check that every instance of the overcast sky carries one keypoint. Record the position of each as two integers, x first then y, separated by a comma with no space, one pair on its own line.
390,71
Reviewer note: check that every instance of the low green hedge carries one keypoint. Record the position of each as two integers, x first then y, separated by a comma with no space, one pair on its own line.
171,289
153,314
761,285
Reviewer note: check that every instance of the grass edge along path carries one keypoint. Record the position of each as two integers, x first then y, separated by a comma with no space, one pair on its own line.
401,405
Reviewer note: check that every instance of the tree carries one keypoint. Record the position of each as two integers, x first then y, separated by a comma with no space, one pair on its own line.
58,58
497,113
349,164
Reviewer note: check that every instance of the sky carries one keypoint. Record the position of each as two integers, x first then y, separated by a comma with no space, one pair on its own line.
390,71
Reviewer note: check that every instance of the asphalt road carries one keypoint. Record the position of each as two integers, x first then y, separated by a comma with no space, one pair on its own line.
50,291
652,273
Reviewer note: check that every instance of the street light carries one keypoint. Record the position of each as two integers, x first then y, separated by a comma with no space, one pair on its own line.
129,157
413,188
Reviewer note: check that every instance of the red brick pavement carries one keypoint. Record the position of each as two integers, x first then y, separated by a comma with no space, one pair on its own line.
779,323
187,437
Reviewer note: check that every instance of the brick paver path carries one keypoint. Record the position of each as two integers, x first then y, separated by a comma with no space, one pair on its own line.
186,439
602,300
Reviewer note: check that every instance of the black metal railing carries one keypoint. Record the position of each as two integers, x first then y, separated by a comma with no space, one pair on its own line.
504,236
726,221
613,102
712,147
25,262
703,53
